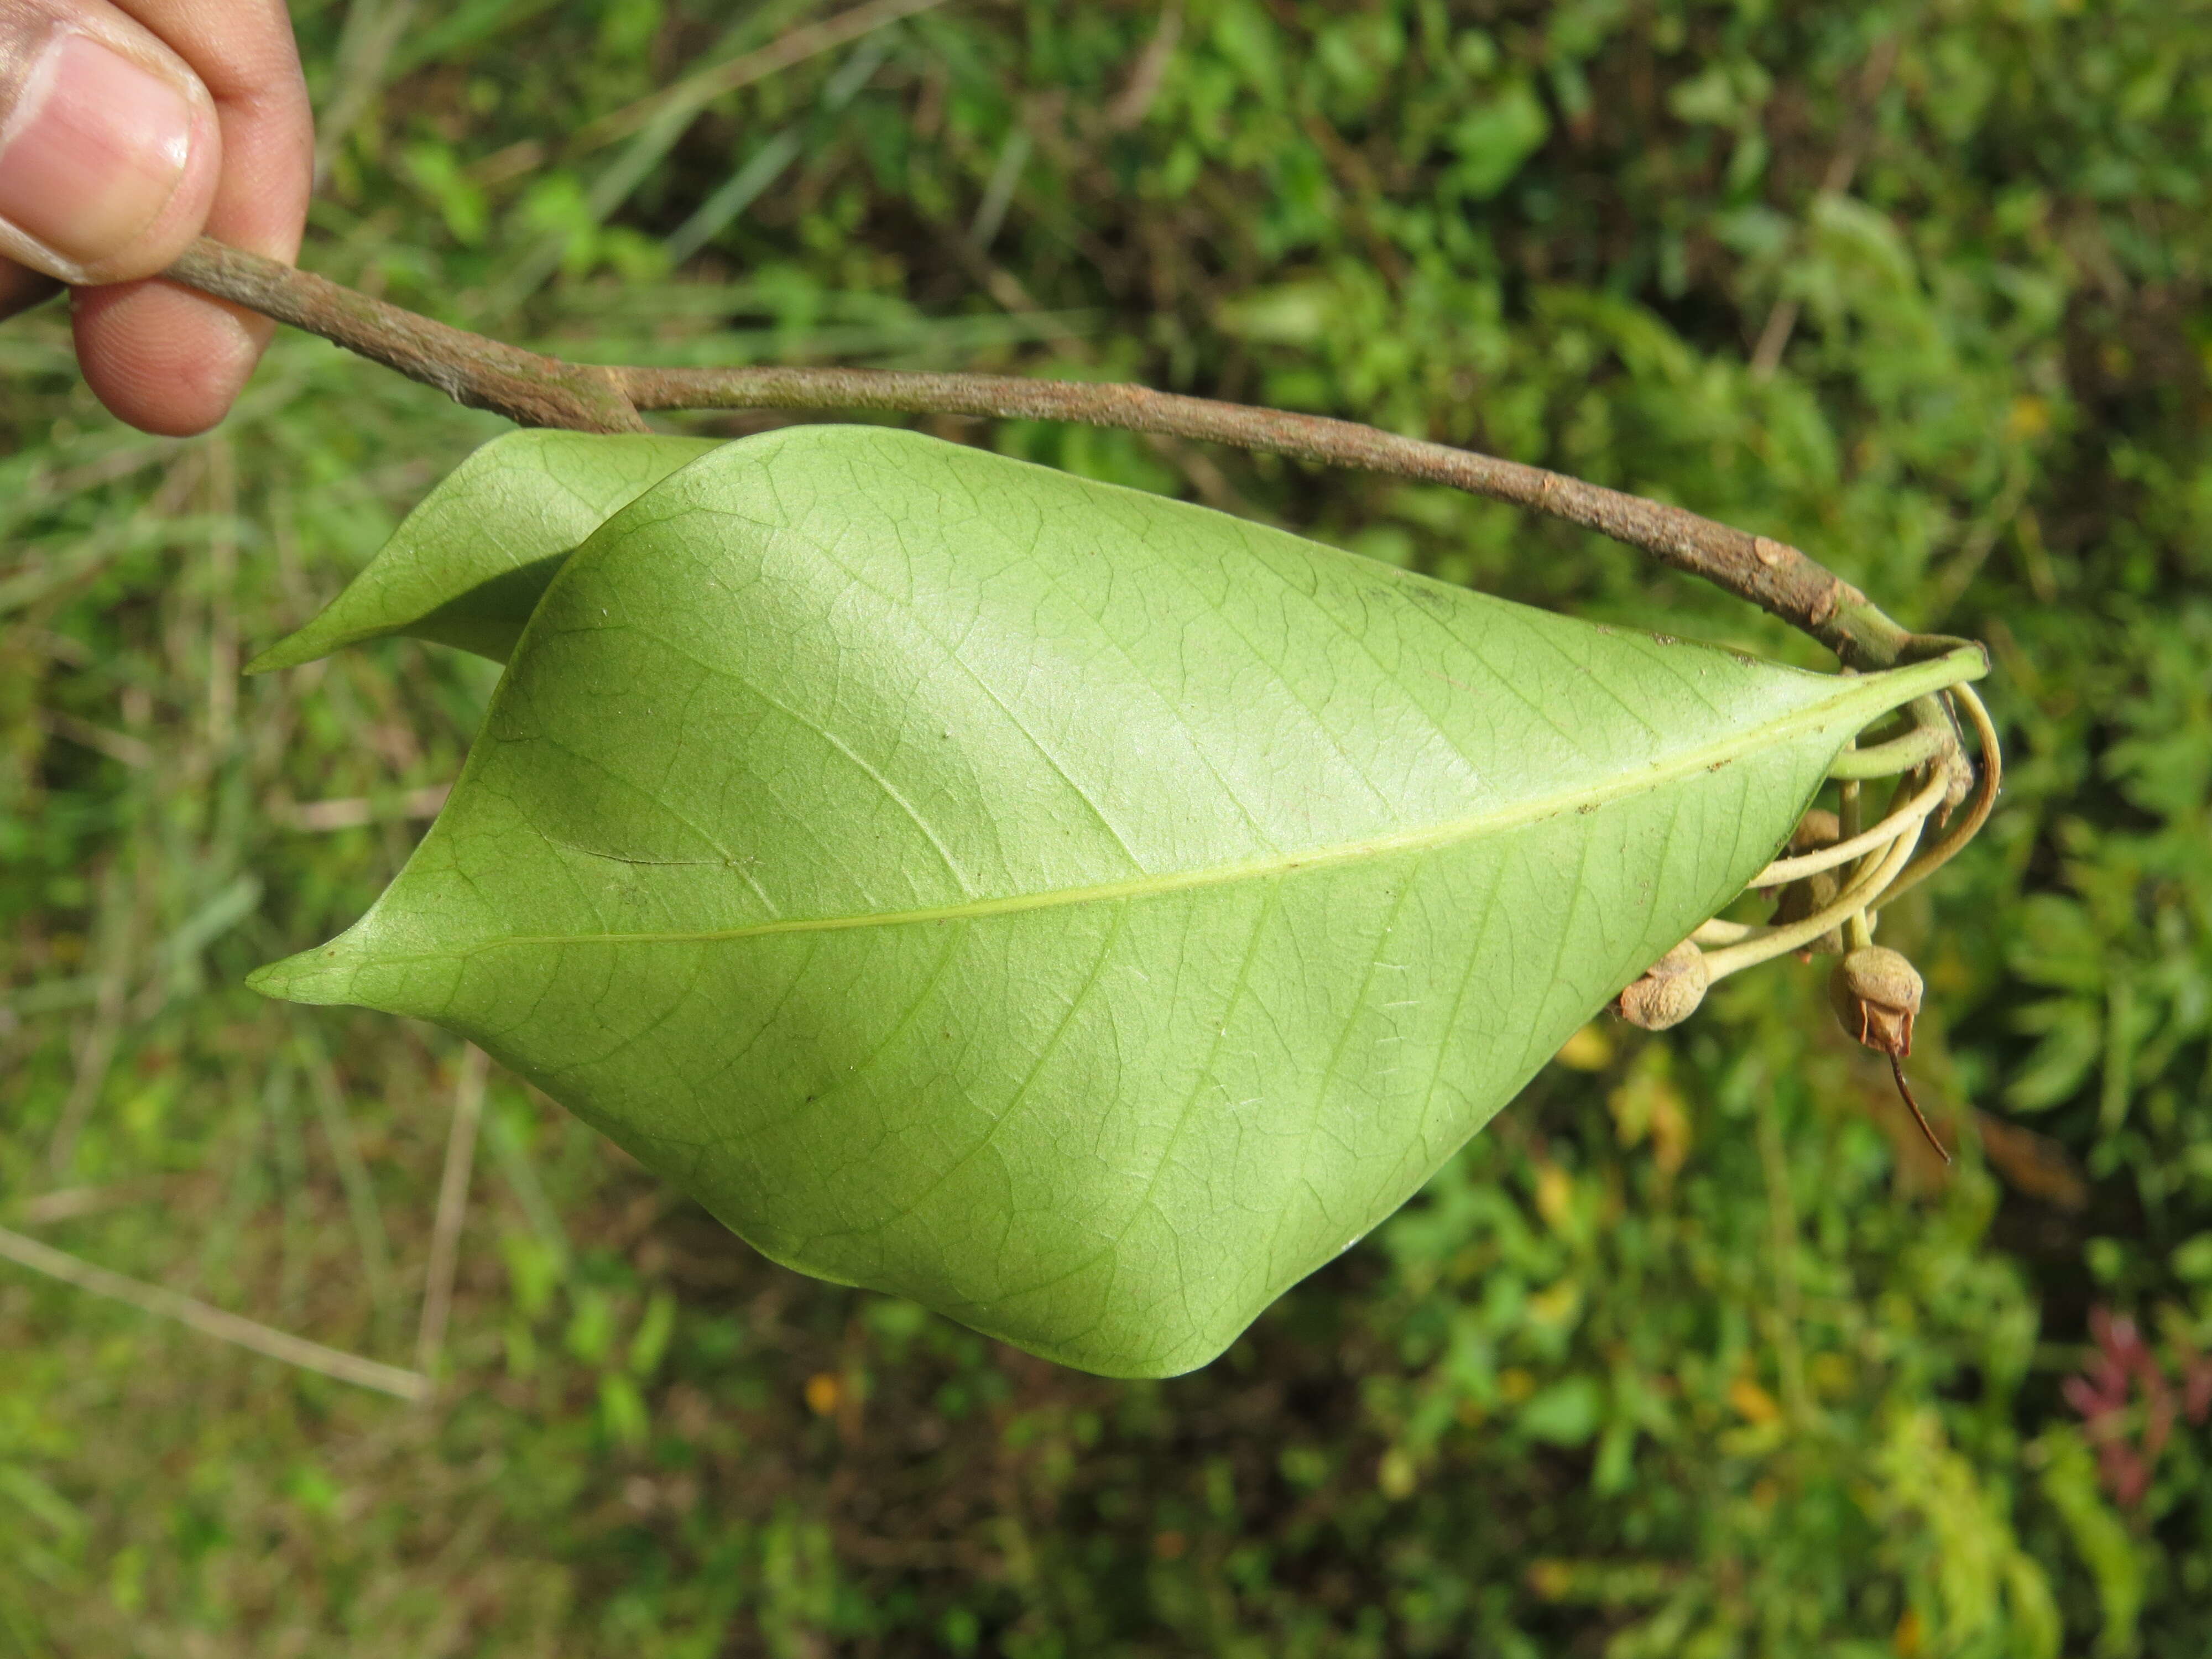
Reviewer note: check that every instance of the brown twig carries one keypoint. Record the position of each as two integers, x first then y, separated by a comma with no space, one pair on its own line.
96,1047
452,1210
166,1303
1128,110
1842,167
535,391
691,95
528,389
697,90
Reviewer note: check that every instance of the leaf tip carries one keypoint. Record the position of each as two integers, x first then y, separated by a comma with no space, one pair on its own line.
323,975
302,645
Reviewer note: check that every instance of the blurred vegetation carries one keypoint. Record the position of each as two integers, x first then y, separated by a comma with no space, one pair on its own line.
1693,1352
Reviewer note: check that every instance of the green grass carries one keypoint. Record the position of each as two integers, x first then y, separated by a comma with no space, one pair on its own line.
1692,1353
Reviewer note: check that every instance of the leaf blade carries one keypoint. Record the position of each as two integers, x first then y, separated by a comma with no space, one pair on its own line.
468,565
1078,912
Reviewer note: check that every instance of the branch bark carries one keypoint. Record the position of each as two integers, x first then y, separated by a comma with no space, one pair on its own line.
535,391
528,389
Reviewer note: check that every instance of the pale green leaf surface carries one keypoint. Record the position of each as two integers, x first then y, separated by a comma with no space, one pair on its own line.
1080,912
468,565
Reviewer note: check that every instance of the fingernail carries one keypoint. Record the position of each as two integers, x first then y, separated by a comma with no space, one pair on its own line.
92,146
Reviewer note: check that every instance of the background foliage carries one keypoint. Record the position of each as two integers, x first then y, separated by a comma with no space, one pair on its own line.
1693,1352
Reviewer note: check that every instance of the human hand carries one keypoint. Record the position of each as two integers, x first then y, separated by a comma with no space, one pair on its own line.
126,129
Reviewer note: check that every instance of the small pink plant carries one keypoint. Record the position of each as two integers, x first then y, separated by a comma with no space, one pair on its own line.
2104,1394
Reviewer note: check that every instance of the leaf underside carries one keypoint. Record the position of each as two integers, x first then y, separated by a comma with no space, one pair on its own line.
469,565
1083,913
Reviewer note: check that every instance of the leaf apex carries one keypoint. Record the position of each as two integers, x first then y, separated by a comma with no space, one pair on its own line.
322,635
323,975
287,653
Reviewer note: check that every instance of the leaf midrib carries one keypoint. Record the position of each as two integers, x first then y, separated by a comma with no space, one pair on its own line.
1861,699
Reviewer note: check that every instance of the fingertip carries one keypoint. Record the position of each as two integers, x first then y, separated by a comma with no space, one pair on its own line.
113,154
166,360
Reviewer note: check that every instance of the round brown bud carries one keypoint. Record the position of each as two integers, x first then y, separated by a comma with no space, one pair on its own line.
1818,827
1877,993
1806,896
1669,992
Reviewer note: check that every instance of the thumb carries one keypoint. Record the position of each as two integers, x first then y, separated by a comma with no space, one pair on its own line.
109,148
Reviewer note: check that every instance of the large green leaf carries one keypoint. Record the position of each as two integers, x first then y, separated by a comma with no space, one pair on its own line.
1080,912
468,565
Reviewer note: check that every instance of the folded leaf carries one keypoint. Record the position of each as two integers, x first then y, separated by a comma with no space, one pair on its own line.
468,565
1083,913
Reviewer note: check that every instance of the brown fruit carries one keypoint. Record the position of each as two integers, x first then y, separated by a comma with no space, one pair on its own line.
1877,993
1669,992
1806,896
